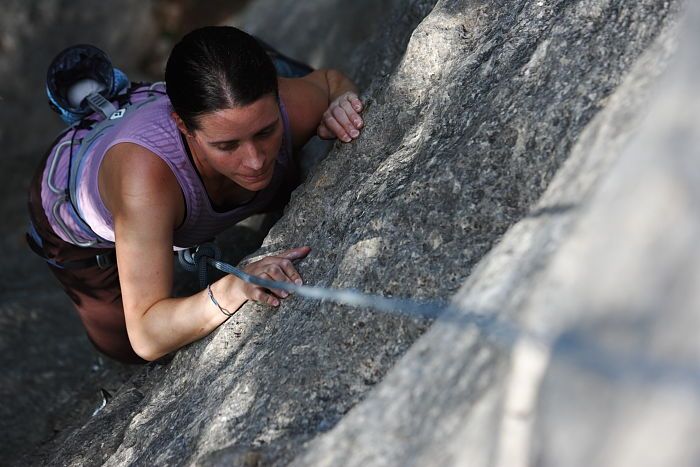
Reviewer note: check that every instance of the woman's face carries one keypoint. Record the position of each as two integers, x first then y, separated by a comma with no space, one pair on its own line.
241,143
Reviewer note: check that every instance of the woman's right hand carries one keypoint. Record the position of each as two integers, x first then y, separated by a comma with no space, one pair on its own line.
342,119
276,268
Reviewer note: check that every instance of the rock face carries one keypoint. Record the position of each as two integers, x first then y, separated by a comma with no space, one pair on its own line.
598,284
466,127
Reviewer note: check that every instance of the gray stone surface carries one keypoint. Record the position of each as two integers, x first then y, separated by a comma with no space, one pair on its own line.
466,127
628,289
603,272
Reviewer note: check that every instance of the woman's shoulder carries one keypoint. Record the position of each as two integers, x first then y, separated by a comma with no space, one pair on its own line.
134,177
305,102
137,169
134,160
148,130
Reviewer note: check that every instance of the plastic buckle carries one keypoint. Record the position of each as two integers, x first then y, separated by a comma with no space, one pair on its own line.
98,103
104,260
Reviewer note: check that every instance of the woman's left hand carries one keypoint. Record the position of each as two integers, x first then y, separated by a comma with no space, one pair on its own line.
342,118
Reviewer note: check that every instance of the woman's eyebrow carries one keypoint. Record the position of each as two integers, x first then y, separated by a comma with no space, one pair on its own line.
229,141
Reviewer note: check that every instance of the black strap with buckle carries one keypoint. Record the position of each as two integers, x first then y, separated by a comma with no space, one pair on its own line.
102,261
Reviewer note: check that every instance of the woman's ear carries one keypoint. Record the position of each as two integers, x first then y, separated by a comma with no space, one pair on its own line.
181,125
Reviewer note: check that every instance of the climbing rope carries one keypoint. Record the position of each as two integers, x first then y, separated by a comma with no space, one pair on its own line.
576,348
208,254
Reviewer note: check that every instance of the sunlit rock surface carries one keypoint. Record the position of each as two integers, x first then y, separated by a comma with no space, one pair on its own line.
591,354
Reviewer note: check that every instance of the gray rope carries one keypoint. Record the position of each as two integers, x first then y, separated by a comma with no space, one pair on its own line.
575,348
197,260
349,297
208,254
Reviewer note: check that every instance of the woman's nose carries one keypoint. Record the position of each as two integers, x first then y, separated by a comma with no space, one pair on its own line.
253,158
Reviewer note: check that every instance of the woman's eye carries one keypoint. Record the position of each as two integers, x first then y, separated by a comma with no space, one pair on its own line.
267,131
227,147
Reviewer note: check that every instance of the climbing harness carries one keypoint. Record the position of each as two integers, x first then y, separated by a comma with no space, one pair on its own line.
36,243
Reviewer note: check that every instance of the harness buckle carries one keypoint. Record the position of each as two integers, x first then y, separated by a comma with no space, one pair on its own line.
98,103
105,260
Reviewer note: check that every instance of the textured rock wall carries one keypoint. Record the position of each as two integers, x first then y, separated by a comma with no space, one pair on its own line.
462,138
629,274
603,269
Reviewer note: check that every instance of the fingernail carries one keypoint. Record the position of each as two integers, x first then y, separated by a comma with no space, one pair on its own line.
297,281
284,294
276,303
347,139
354,133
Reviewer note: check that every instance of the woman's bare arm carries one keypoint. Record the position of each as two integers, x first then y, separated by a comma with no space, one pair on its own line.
146,203
324,102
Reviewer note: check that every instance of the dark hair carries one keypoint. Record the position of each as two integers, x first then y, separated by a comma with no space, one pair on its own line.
214,68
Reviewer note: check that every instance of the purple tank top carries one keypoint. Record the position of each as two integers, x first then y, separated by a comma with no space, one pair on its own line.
152,127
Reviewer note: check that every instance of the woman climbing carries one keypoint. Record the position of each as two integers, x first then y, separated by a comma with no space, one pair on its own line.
172,171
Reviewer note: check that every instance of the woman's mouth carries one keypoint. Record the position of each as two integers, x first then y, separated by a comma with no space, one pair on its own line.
256,177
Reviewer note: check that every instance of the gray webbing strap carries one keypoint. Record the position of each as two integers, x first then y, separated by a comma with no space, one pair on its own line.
77,159
98,103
